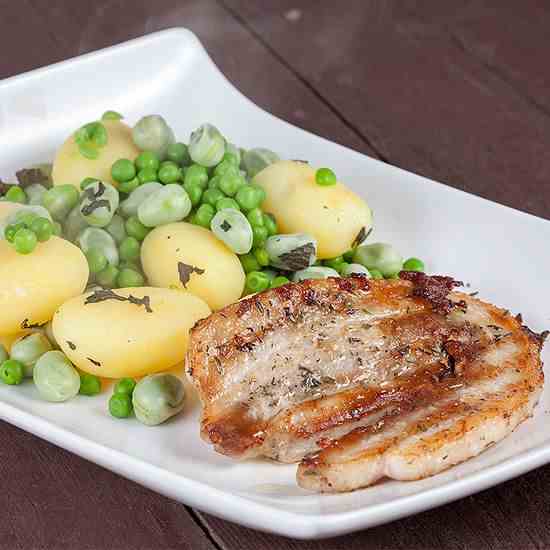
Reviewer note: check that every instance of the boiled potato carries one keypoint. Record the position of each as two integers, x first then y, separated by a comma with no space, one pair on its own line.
113,339
71,167
32,287
172,253
334,215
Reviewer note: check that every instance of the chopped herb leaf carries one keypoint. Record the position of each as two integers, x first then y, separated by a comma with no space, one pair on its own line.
25,324
71,345
299,258
107,294
226,226
300,160
185,271
94,205
29,176
94,362
361,236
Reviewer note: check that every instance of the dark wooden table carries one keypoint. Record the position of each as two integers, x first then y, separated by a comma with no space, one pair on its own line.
456,91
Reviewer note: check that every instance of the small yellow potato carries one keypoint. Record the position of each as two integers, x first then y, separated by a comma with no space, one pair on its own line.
70,166
113,338
334,215
33,286
182,255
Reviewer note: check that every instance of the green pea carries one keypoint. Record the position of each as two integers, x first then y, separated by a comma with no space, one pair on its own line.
60,200
232,154
177,152
256,281
147,160
255,217
158,397
125,386
249,262
196,175
195,193
262,257
129,186
4,356
111,115
169,173
87,181
226,166
206,146
214,183
204,215
96,260
279,281
212,196
227,202
325,177
24,241
26,217
271,273
259,235
120,405
12,372
270,224
55,377
231,182
248,197
129,249
123,170
16,194
335,263
147,175
107,278
375,274
414,264
135,229
129,278
11,230
89,384
43,228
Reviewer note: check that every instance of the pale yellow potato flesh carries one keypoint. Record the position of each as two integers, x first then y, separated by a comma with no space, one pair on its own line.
114,339
71,167
334,215
33,286
218,278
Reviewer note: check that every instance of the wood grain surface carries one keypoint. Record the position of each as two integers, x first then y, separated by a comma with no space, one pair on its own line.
456,91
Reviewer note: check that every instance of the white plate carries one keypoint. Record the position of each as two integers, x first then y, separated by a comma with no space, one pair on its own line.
503,253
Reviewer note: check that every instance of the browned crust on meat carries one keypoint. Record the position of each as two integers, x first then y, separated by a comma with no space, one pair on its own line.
217,343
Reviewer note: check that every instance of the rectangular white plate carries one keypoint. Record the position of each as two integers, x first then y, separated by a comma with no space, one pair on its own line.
499,251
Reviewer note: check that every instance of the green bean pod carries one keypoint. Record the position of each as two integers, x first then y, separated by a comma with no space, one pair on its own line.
100,240
152,133
355,269
55,377
130,206
232,228
255,160
380,256
99,203
206,146
28,349
314,272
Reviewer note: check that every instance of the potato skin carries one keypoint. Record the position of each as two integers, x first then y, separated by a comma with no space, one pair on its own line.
334,215
222,281
70,167
113,339
33,286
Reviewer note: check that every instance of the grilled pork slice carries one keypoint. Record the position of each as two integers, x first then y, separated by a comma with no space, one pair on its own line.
287,372
459,419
